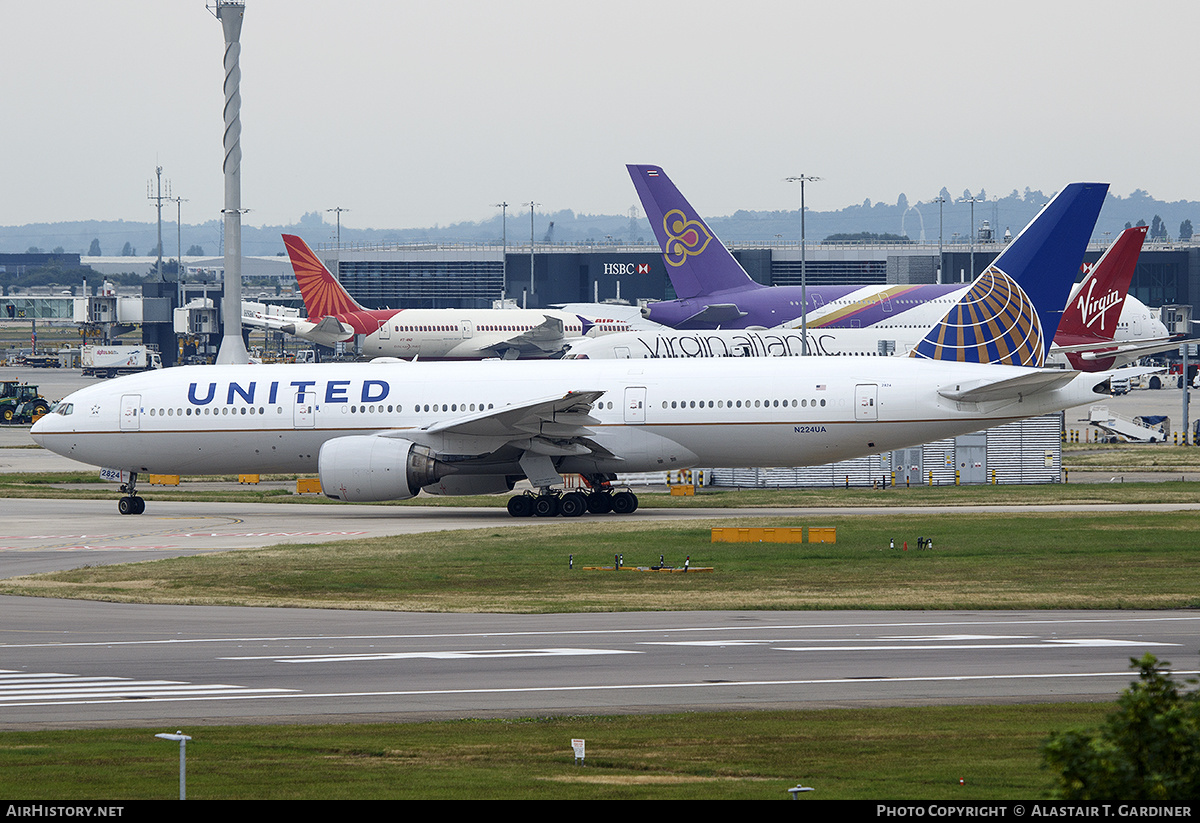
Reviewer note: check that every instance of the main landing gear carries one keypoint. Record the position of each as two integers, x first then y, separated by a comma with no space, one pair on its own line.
601,499
131,503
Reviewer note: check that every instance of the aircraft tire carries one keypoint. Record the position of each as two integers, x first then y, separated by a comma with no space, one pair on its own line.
599,502
139,505
572,505
546,505
520,506
127,505
624,503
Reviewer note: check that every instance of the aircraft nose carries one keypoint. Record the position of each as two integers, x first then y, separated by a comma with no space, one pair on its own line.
40,428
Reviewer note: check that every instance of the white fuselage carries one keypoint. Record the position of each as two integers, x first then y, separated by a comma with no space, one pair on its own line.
652,415
890,337
446,334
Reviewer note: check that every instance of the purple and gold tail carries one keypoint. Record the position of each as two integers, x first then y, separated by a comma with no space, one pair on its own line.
1012,311
697,261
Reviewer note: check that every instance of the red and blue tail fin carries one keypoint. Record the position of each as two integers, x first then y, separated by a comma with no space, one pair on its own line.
323,294
697,262
1012,311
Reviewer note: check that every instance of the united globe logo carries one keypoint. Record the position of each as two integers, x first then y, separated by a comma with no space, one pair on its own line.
995,322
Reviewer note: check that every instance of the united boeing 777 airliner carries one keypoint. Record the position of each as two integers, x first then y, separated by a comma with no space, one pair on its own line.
386,431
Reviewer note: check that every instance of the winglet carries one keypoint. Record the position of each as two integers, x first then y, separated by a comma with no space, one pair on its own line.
697,261
1012,311
1096,307
323,294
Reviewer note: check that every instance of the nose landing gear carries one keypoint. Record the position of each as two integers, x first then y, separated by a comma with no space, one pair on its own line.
131,503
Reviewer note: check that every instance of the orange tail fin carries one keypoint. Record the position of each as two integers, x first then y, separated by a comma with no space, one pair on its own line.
323,295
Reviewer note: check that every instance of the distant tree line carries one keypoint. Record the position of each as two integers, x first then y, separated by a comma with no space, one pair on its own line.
1158,229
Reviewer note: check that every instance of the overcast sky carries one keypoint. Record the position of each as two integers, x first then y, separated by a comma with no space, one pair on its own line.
411,114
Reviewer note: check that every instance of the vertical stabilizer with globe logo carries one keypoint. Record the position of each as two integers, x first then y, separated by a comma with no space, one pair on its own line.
1011,312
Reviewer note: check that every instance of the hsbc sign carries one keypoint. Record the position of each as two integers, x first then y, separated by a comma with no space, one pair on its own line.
619,269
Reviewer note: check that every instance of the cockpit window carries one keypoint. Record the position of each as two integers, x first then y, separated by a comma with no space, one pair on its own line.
62,408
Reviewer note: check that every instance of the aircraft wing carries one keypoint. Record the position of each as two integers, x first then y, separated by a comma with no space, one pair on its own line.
553,426
715,315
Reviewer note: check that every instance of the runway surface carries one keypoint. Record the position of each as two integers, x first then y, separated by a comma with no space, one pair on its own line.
74,664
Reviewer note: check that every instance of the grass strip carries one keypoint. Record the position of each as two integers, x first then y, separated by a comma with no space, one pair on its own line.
1065,560
862,753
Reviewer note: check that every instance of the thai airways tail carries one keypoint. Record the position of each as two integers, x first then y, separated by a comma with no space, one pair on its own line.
1012,311
1096,306
697,262
323,294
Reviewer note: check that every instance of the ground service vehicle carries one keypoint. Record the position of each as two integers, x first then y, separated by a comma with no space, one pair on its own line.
110,361
20,403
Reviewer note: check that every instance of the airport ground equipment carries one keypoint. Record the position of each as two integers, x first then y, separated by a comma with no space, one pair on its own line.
21,403
1145,429
110,361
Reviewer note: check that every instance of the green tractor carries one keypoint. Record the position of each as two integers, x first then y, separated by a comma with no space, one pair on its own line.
20,403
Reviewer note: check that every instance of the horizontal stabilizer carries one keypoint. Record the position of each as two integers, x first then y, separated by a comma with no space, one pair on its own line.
1012,388
325,333
715,315
1129,349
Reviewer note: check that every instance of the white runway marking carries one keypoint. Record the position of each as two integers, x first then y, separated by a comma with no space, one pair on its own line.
446,655
1054,621
948,643
276,694
45,688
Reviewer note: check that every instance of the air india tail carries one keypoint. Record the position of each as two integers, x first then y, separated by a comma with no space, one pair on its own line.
323,295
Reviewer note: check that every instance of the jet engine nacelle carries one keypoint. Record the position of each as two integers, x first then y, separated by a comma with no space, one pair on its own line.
460,484
362,468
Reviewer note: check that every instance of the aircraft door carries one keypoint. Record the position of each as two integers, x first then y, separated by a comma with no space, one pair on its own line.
385,330
467,329
304,412
866,402
635,404
622,352
131,409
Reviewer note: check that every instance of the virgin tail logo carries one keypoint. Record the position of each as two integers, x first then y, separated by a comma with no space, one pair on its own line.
1096,307
1093,309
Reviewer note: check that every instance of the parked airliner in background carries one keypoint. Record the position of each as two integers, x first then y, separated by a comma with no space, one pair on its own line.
385,431
431,334
714,291
1085,335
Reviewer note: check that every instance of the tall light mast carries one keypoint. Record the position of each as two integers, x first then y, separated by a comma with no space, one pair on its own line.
233,348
